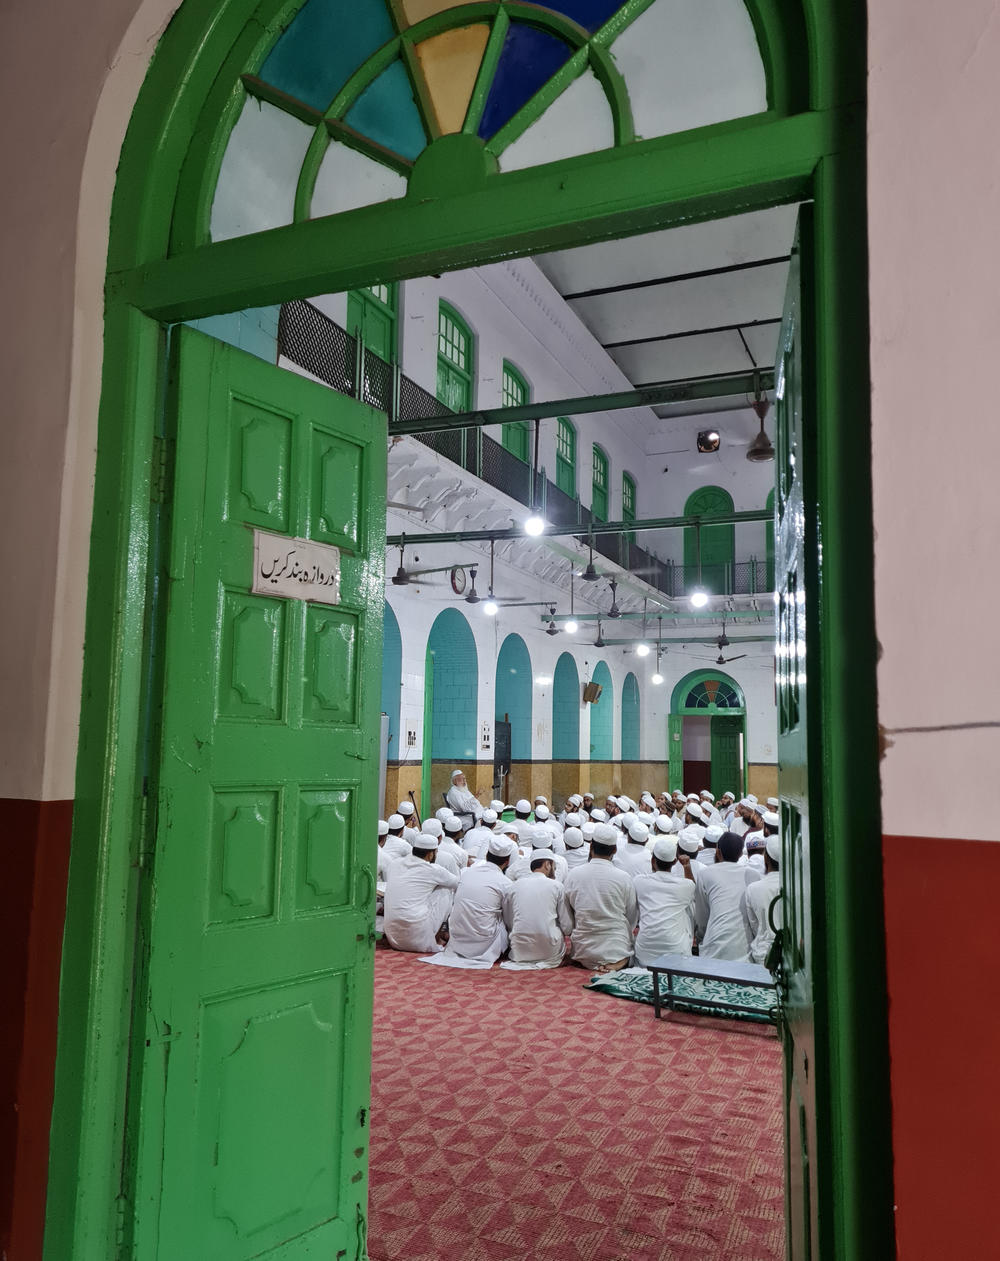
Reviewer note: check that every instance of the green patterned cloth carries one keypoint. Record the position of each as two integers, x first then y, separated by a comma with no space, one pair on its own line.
637,984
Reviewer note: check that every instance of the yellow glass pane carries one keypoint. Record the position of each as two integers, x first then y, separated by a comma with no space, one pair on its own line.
416,10
450,63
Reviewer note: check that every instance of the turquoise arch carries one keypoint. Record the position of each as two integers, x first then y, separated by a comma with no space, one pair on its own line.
392,677
451,648
566,704
513,695
684,686
602,717
630,718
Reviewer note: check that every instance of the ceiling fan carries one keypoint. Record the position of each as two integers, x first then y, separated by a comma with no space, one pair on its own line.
403,577
599,642
614,611
590,574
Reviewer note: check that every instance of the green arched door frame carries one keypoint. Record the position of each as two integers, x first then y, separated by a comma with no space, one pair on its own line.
810,143
678,711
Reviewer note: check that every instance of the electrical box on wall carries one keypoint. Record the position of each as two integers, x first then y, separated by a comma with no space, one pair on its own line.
411,739
486,740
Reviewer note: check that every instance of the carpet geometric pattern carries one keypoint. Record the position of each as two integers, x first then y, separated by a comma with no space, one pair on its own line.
517,1116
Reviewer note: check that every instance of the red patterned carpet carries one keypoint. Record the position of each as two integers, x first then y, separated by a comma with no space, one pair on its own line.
519,1117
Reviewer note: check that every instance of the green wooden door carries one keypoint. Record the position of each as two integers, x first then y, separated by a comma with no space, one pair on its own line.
675,752
797,561
727,754
248,1127
371,315
712,555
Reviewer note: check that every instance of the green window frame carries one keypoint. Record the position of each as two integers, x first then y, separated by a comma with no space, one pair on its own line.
515,392
566,457
599,484
628,502
371,315
456,360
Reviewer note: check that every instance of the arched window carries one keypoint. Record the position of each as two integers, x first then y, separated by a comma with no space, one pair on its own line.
515,392
566,457
599,484
513,695
628,502
718,543
566,710
630,719
602,717
456,360
707,691
452,670
392,678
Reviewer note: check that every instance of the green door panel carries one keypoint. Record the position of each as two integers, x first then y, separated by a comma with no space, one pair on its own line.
727,755
374,319
675,752
797,561
253,1029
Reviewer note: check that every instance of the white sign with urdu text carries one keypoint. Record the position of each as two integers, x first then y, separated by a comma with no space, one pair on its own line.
298,569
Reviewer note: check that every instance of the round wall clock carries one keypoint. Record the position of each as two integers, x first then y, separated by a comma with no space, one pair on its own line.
458,580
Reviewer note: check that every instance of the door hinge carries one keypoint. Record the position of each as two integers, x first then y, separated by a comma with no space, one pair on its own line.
160,468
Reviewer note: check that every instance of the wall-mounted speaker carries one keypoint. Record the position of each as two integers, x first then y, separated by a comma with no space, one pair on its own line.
592,692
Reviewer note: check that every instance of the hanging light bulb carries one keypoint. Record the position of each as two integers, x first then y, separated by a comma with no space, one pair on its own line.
491,608
699,599
657,678
571,627
534,525
642,650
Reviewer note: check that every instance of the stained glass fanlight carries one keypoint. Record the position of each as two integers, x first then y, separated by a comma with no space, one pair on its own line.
352,94
713,693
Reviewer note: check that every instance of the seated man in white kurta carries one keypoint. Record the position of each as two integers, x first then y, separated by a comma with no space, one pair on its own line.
666,905
718,904
418,897
480,915
605,912
540,920
464,803
758,899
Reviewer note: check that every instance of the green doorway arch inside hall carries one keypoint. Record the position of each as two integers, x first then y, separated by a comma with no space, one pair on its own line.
706,734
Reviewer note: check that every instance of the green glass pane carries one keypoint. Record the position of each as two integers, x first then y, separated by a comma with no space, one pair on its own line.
386,113
324,44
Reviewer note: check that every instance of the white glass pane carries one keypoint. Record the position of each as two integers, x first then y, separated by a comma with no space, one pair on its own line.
578,121
688,63
347,179
256,188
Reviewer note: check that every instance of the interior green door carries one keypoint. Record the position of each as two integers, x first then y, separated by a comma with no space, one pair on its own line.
727,754
675,752
248,1126
371,315
797,561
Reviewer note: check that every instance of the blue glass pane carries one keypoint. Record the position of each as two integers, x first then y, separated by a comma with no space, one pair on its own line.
324,44
590,14
529,59
386,113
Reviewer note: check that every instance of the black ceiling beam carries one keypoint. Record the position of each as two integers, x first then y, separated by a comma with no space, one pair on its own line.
673,280
691,332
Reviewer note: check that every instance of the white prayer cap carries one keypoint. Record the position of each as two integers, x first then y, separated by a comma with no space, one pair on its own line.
639,833
405,808
542,812
665,849
599,816
444,813
523,806
695,809
501,846
645,817
706,794
543,800
573,820
713,833
505,829
689,840
773,847
538,836
454,824
587,830
498,806
754,842
575,800
693,797
383,828
648,798
489,817
613,800
432,827
752,799
663,824
771,819
573,838
542,852
619,822
728,796
455,774
604,834
395,822
587,793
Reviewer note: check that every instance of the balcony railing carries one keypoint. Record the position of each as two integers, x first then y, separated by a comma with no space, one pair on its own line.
320,346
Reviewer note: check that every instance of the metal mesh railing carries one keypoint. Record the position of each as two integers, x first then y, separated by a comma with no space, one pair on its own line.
313,341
